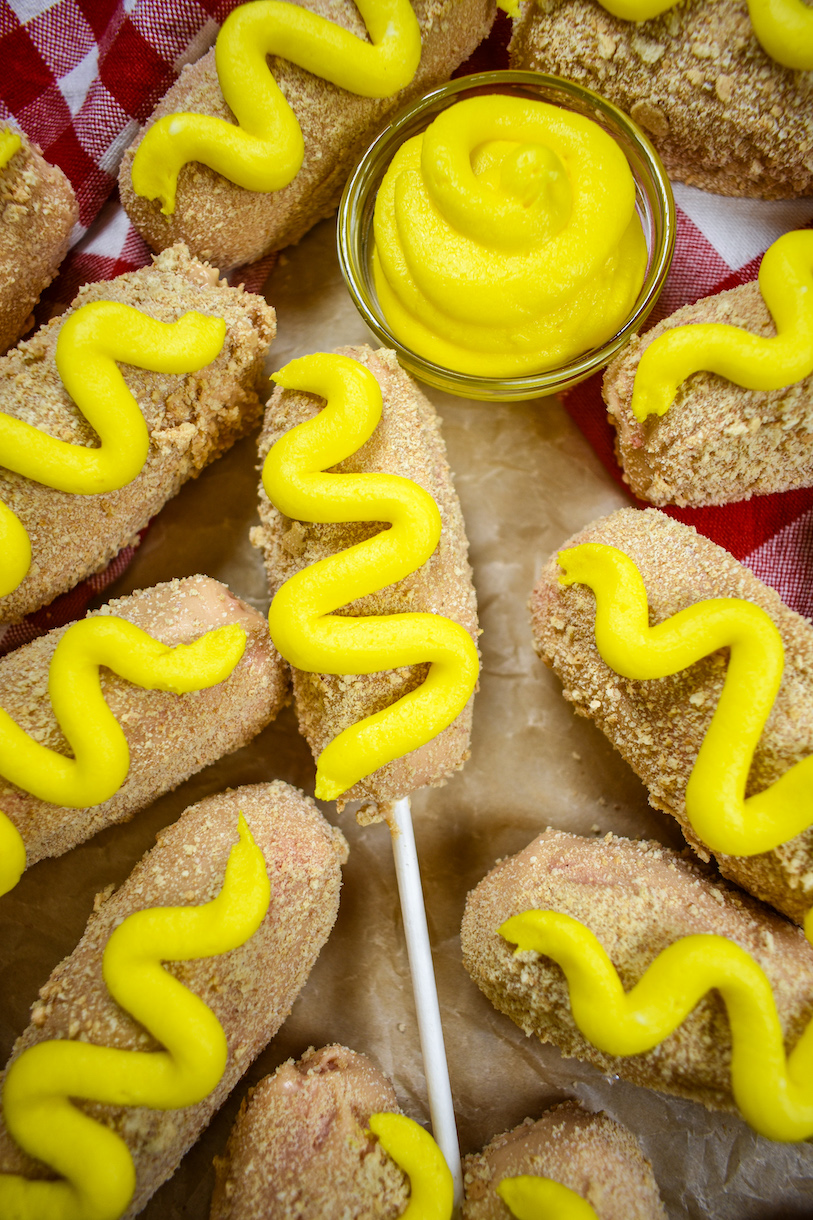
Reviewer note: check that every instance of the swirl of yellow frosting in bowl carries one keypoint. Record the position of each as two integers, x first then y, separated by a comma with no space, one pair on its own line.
506,238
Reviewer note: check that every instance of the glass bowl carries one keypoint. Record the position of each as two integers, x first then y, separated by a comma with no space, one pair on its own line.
654,204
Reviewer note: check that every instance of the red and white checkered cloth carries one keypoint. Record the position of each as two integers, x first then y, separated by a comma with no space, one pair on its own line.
81,75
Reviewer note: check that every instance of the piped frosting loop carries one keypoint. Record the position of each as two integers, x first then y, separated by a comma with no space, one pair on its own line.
530,1197
431,1189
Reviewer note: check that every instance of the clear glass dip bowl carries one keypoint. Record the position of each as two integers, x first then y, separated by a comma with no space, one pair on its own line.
654,203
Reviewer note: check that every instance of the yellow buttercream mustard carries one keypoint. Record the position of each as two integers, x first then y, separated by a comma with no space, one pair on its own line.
716,805
431,1189
90,342
301,620
529,1197
506,238
10,143
784,28
101,756
752,361
264,151
94,1163
773,1091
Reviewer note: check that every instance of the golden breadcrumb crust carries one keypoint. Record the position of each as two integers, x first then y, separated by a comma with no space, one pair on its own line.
37,212
658,726
588,1153
637,898
300,1148
230,225
407,442
169,736
723,115
250,990
718,442
192,419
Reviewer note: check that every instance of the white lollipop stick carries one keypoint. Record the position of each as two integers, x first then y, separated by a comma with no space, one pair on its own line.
430,1030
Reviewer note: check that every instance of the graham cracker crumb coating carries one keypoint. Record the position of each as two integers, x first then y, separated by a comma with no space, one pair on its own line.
169,736
250,990
723,115
223,222
300,1148
407,442
637,898
192,419
717,443
658,726
588,1153
37,213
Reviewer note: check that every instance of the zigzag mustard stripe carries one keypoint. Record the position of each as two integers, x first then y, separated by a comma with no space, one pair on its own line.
773,1091
716,806
303,626
749,360
264,152
95,1163
90,342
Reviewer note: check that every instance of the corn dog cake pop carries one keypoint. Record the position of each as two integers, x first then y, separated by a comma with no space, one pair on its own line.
728,999
37,212
134,737
568,1151
715,403
737,781
727,107
135,1108
192,351
287,128
379,725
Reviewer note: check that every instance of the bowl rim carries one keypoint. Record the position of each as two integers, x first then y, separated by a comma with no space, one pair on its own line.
351,227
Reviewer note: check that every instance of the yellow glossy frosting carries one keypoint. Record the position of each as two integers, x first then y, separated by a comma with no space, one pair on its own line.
94,1163
90,342
773,1091
716,805
506,238
264,151
101,756
303,626
413,1150
10,142
752,361
529,1197
784,28
12,854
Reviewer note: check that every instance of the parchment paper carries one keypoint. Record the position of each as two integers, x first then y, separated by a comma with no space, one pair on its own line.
527,480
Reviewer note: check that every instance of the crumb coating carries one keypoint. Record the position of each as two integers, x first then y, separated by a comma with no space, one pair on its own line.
170,737
300,1148
191,418
723,115
223,222
407,442
718,442
637,898
250,990
37,213
658,726
588,1153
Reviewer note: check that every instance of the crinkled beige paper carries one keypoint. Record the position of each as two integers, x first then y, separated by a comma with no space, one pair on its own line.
527,480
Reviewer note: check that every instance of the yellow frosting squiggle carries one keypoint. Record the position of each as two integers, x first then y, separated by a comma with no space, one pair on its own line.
101,754
529,1197
773,1091
431,1193
90,342
303,626
94,1161
752,361
716,804
264,151
10,142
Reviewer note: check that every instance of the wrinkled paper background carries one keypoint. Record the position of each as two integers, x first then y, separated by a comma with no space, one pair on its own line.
527,480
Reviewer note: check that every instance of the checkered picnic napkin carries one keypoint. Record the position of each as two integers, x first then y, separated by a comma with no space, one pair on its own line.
80,76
